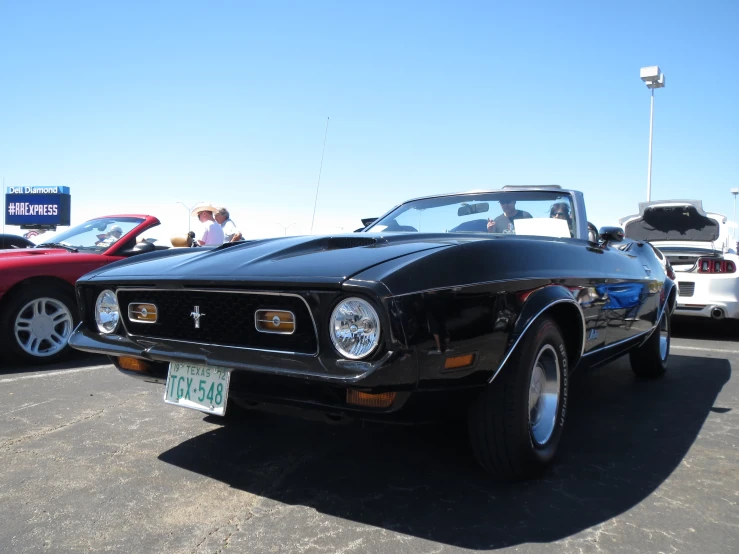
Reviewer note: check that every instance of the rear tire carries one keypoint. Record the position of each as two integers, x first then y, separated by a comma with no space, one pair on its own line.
650,359
515,424
37,322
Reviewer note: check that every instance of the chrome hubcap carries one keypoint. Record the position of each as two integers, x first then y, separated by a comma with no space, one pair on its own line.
43,326
544,394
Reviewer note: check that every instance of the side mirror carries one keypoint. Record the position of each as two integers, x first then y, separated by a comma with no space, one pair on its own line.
611,234
144,246
139,248
592,233
366,221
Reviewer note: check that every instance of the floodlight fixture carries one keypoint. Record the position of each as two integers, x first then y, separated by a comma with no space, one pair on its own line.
285,227
189,211
653,78
650,73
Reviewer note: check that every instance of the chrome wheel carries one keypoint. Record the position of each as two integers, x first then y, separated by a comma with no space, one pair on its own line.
664,336
43,326
544,394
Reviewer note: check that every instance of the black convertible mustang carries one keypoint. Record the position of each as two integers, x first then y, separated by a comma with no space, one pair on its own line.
480,303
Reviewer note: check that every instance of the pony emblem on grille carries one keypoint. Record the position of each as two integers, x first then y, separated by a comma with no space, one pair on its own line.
196,315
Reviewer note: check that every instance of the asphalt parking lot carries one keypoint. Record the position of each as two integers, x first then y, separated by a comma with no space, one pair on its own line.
93,461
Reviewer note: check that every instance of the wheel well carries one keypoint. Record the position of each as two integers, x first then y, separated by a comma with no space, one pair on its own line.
569,320
672,299
37,282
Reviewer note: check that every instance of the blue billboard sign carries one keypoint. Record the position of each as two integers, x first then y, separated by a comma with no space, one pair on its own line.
37,206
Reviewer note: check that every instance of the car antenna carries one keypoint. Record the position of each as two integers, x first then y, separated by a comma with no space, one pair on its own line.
315,203
4,208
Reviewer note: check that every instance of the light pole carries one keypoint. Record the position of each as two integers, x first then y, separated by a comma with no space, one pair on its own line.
285,227
735,192
189,212
653,79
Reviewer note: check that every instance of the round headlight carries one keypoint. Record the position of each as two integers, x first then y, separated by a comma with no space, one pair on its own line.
355,328
107,312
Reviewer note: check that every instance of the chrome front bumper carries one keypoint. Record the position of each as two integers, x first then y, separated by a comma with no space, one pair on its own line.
393,368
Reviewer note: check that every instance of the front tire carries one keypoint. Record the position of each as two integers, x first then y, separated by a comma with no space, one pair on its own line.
650,359
37,323
516,424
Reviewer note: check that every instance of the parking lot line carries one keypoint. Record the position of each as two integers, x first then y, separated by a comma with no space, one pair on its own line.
26,406
53,373
703,349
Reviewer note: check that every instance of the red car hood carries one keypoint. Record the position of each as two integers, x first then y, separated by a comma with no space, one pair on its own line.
18,265
21,253
44,256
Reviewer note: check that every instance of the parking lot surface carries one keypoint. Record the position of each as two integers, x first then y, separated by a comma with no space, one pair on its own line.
94,461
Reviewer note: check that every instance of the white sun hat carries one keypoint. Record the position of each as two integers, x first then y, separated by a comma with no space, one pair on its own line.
204,208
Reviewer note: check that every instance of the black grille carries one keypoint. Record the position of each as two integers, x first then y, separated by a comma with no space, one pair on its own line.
227,318
686,289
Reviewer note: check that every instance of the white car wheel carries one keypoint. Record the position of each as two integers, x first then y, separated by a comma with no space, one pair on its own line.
43,326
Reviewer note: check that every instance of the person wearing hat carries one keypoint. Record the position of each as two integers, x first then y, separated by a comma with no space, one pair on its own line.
113,234
230,231
210,233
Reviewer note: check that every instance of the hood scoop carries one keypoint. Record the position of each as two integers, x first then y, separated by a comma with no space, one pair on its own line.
339,243
323,244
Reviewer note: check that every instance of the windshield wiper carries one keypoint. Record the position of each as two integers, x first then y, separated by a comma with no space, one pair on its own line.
57,245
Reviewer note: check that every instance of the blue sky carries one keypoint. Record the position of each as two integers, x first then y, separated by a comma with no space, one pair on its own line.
138,105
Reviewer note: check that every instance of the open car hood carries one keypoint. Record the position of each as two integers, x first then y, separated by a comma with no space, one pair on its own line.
671,220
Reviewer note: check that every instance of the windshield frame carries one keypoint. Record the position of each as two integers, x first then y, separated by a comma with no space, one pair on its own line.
99,224
550,195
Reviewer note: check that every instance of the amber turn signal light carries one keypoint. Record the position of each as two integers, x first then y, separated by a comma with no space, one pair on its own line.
458,362
133,364
280,322
369,400
140,312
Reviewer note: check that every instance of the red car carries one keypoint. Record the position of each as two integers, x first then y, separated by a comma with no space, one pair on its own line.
37,304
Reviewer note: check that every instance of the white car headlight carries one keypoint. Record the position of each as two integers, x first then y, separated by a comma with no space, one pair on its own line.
355,328
107,312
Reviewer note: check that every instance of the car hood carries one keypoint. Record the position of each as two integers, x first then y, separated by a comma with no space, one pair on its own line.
674,220
31,254
318,260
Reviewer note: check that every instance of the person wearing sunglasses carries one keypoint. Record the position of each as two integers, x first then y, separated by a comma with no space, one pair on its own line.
504,222
561,210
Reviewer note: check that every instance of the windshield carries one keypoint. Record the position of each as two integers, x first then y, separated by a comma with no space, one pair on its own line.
542,213
96,234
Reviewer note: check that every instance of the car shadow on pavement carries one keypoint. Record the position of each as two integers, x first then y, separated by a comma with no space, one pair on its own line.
76,359
708,329
624,437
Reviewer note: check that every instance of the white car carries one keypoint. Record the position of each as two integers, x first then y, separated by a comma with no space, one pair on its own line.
698,246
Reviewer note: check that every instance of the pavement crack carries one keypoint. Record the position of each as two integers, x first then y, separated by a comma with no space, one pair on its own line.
48,430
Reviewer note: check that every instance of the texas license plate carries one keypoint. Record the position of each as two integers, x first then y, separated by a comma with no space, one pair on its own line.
199,387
